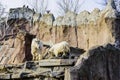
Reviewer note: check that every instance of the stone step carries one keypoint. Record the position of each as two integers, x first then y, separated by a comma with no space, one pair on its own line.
56,62
5,76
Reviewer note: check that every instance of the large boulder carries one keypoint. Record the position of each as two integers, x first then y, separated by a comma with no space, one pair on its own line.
20,13
99,63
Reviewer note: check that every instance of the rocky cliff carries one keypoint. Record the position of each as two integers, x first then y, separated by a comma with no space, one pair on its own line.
83,30
16,50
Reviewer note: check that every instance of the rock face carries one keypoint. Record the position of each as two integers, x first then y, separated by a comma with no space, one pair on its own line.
20,13
100,63
16,50
82,31
96,28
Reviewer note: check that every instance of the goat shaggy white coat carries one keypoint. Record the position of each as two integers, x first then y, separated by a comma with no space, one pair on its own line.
36,49
62,47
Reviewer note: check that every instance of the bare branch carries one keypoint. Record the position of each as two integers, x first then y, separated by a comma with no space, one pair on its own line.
68,5
39,6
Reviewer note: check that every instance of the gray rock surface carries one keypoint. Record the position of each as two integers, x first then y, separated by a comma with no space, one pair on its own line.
19,13
99,63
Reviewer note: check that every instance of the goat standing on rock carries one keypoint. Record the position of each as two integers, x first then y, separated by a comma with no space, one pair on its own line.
36,49
60,49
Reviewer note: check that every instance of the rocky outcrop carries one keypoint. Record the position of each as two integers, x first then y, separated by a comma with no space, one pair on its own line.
83,30
95,28
99,63
20,13
16,50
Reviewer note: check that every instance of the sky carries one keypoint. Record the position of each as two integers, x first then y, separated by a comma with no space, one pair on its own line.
88,5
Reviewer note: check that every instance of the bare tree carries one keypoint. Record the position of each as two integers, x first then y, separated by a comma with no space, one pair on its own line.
68,5
39,6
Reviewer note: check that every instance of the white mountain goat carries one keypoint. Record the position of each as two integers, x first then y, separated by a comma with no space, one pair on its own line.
60,49
36,49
